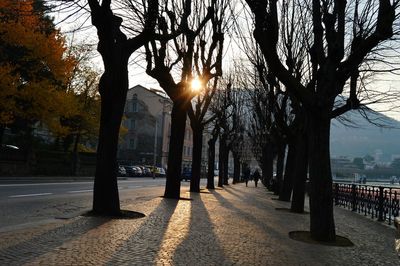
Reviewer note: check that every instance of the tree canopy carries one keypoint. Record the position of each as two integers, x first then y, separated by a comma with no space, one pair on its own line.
33,66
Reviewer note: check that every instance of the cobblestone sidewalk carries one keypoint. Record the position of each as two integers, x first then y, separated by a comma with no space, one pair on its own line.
236,225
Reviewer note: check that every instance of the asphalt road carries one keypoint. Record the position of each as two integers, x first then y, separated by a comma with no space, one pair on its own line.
24,204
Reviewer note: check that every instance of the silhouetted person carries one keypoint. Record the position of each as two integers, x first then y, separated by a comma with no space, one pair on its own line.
246,175
256,177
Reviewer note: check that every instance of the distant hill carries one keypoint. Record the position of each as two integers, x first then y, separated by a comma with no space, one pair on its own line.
365,138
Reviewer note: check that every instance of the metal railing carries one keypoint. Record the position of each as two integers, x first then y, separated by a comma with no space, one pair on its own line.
378,202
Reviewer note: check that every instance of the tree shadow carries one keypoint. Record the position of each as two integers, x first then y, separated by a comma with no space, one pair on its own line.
180,198
288,210
123,215
237,193
231,189
305,237
260,224
49,240
200,242
143,246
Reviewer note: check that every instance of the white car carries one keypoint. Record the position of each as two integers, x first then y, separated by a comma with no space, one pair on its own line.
121,171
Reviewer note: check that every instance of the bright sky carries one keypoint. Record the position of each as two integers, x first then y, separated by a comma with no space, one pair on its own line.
137,65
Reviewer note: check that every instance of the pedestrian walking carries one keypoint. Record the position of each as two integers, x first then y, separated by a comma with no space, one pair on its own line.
256,177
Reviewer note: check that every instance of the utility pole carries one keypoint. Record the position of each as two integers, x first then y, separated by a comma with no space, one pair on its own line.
155,150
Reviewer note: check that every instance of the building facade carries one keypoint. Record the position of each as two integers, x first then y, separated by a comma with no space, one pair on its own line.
147,123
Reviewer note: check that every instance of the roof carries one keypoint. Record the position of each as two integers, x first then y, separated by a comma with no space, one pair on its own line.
156,92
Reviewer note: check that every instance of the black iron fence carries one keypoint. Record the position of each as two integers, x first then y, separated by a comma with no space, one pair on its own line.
378,202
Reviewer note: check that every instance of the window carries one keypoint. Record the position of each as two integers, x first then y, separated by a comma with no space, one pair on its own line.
134,106
133,124
131,144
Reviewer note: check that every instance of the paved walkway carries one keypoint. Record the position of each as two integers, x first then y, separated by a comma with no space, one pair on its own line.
235,226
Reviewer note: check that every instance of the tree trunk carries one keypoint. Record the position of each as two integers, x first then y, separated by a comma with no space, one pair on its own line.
322,225
267,165
178,125
221,164
279,168
196,158
226,165
287,186
236,168
211,162
75,154
2,128
113,87
300,178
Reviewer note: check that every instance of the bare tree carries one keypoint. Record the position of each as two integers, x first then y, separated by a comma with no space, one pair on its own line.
238,121
222,110
198,122
115,49
211,155
176,59
336,56
208,67
120,33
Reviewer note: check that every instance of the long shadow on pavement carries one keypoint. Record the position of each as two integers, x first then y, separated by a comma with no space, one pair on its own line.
201,245
250,218
26,251
142,247
255,200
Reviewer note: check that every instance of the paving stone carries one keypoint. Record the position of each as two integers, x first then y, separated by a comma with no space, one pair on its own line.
235,226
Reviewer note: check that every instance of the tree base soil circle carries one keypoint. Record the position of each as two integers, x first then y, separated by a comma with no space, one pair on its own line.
288,210
123,214
305,236
180,198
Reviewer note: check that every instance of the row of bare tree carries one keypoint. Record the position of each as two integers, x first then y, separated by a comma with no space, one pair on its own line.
310,55
306,55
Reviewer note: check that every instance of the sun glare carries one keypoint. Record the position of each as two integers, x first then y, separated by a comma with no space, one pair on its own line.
196,85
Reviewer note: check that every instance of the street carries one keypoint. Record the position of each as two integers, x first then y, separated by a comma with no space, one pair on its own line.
24,204
234,225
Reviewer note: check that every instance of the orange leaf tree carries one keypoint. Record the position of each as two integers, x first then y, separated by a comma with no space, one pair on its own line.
33,68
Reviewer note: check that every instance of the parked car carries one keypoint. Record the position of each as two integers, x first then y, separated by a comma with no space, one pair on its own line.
162,172
145,171
121,171
138,170
129,170
8,147
132,170
186,174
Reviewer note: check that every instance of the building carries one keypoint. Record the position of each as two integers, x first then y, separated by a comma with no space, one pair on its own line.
147,119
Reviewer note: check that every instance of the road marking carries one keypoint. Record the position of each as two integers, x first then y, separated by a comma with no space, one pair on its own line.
135,186
80,191
71,182
30,195
43,184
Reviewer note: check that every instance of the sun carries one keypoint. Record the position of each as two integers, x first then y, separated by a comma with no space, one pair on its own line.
196,85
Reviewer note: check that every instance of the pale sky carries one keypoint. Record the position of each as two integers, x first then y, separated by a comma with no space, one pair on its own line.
137,65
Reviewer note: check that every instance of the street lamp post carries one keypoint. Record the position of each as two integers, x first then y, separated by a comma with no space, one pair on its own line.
155,151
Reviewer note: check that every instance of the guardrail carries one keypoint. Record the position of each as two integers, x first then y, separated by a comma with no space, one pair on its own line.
378,202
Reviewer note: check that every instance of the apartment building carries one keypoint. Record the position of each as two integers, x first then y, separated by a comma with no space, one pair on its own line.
147,123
